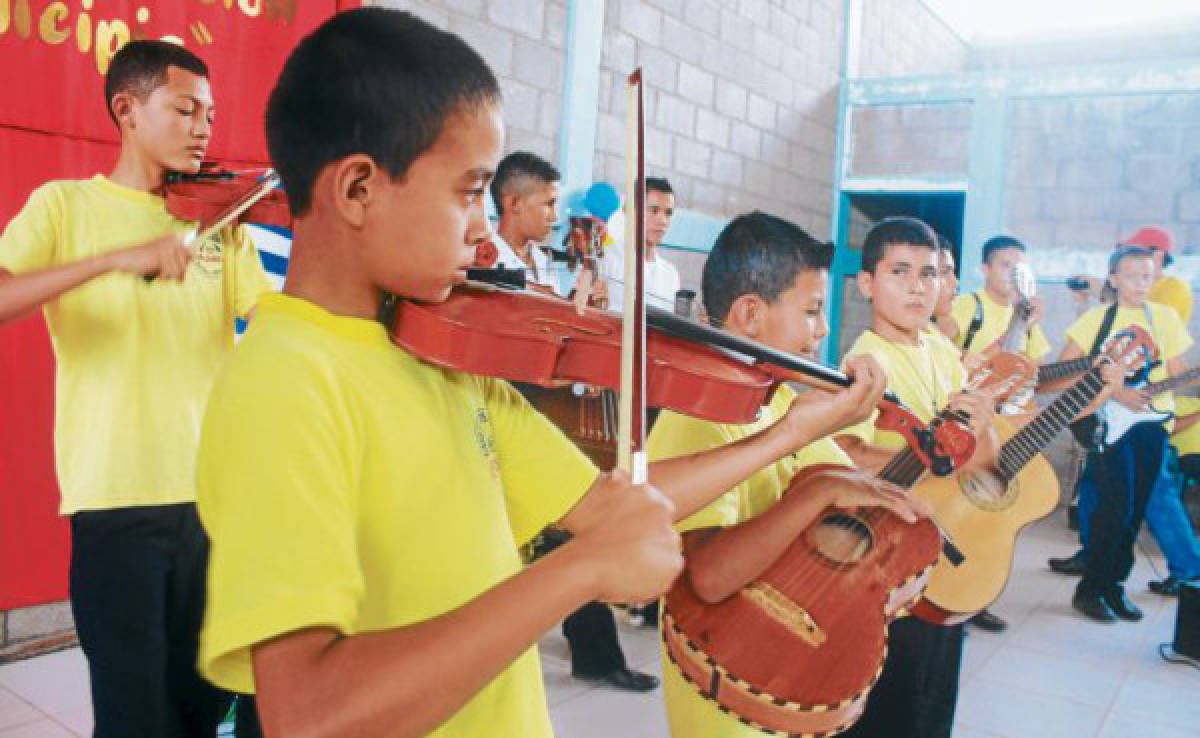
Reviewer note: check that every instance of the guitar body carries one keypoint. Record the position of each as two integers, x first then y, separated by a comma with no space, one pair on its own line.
798,650
983,515
1118,419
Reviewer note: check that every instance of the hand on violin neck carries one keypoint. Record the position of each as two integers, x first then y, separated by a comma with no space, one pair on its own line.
624,538
164,258
816,413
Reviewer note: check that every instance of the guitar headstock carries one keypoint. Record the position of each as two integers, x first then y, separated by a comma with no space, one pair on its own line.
1003,375
942,446
1023,281
1131,348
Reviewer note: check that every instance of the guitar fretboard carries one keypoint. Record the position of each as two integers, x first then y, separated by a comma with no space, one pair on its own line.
1040,431
1166,385
1061,369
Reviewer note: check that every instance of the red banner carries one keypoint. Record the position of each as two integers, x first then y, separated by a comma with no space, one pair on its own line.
54,124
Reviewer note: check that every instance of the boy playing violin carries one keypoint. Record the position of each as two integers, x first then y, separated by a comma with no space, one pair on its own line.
765,279
135,363
366,514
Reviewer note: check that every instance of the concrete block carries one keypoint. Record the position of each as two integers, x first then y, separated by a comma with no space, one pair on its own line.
1091,173
731,99
39,620
610,133
1156,171
712,128
524,16
685,42
776,150
660,68
432,14
641,21
1143,206
470,7
659,147
556,24
760,112
1188,207
1086,235
758,177
520,104
669,7
525,140
707,197
493,44
1037,233
745,139
695,84
756,10
726,168
1024,203
616,50
538,64
767,46
549,115
783,24
675,115
692,157
703,14
737,30
1024,169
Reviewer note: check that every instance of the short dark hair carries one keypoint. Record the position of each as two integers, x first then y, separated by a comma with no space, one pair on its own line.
515,170
999,243
659,184
373,81
894,231
140,67
1121,253
944,244
758,254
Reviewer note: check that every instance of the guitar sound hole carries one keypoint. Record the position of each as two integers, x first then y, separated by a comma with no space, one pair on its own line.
842,539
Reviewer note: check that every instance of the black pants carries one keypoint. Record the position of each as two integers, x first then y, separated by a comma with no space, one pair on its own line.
591,631
137,593
916,695
1126,473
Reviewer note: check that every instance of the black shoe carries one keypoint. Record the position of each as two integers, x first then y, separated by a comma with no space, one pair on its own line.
1121,605
1168,587
1071,566
623,678
986,620
1094,607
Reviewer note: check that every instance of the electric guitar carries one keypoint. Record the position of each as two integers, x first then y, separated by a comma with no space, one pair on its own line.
1113,420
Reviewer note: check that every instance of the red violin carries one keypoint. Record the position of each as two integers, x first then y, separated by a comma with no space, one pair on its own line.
211,194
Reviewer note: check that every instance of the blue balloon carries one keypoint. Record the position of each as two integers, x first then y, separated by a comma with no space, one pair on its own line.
602,200
577,203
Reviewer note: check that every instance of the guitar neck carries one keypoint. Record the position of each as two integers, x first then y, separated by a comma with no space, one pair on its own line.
1166,385
903,470
1018,326
1061,369
1030,440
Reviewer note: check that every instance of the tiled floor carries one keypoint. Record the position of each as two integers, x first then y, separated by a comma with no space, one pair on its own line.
1051,675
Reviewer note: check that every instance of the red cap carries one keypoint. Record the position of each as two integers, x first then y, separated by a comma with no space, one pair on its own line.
1151,237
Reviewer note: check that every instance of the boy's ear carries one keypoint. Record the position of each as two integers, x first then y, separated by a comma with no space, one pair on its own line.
747,313
354,181
511,202
864,280
122,105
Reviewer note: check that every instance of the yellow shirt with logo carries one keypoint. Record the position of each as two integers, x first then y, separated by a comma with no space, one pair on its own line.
135,360
924,377
1175,293
996,318
689,714
1165,327
346,484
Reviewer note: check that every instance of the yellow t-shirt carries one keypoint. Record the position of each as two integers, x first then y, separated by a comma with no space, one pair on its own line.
923,376
344,483
1168,332
1187,441
996,318
688,714
1175,293
135,360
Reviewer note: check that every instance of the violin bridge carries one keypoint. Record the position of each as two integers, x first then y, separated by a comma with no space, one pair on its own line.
780,608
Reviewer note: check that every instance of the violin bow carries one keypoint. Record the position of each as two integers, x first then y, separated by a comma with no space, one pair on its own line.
631,427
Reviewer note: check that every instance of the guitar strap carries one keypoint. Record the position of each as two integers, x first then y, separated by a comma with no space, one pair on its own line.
976,323
1105,328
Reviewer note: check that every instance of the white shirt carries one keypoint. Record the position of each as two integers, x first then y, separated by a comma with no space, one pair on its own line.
539,274
662,279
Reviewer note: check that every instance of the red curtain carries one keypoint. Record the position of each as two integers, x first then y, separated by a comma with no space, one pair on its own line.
54,125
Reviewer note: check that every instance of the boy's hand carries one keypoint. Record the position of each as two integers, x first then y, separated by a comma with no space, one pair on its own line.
818,413
624,534
1131,397
850,488
1036,313
979,407
163,258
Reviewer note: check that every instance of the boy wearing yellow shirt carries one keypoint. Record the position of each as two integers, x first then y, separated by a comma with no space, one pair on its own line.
916,694
365,507
765,279
981,318
135,361
1128,470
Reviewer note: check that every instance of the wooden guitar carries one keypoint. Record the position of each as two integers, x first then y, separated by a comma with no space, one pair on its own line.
984,510
797,650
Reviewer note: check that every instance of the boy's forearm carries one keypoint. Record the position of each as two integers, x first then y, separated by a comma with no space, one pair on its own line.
406,681
22,293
